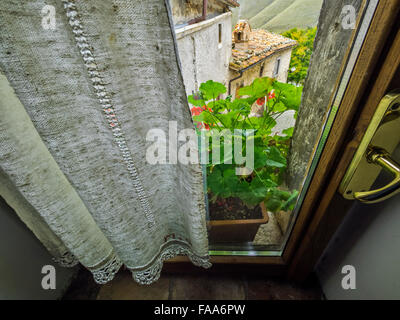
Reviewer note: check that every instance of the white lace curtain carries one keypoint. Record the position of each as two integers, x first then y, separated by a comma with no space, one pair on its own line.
76,103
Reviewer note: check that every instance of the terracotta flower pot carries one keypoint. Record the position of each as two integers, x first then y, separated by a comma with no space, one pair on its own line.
222,231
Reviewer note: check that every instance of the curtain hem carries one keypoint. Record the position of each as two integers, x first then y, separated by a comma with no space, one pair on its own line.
152,272
145,275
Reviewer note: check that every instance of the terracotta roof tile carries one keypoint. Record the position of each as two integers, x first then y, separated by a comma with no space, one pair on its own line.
261,44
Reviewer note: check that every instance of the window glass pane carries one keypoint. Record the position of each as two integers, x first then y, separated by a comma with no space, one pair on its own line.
253,105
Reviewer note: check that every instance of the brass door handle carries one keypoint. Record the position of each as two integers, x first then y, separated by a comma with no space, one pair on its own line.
381,138
382,158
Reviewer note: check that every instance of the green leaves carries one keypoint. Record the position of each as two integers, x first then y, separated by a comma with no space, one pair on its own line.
223,181
196,101
252,194
260,157
289,95
290,202
211,89
278,200
288,132
259,88
269,151
275,158
206,117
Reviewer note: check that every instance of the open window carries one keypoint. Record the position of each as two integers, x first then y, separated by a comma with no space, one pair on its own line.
252,210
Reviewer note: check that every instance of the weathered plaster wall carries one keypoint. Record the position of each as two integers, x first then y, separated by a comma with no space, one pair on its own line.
202,56
284,66
330,47
186,10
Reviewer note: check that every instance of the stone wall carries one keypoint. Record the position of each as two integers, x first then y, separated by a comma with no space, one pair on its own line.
330,47
201,54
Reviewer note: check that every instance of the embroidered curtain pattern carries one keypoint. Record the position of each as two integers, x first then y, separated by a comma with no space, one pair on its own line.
77,103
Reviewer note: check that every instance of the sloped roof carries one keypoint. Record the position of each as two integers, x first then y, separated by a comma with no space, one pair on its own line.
260,45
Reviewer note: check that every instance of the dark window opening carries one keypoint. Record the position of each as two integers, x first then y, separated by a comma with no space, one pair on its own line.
277,65
219,33
261,70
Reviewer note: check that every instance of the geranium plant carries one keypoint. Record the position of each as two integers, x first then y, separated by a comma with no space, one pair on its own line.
264,181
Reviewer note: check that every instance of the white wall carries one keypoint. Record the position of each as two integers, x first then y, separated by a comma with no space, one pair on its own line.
368,239
22,257
202,57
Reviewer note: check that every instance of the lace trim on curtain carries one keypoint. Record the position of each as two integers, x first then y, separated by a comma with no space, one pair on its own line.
103,272
106,270
103,96
152,273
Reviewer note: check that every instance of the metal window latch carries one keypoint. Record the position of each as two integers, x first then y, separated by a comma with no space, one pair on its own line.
374,153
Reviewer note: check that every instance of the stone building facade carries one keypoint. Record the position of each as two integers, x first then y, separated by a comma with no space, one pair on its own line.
204,39
209,50
257,53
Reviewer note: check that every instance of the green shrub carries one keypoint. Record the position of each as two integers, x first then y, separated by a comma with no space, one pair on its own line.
301,54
